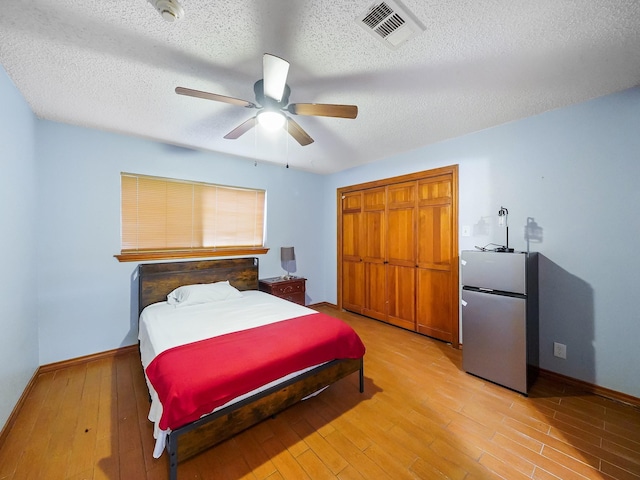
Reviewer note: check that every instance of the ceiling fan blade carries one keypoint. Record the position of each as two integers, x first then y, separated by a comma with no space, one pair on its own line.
323,110
275,71
241,129
298,133
213,96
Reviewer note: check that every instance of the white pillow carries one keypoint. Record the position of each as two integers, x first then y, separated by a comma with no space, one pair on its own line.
202,293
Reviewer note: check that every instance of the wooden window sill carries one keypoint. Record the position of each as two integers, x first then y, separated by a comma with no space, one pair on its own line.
179,254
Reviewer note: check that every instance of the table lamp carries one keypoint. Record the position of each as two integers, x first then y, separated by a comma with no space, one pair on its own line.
287,254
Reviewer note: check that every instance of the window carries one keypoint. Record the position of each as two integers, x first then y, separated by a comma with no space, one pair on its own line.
166,218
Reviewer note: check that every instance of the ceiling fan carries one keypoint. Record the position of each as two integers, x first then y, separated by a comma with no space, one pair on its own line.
272,100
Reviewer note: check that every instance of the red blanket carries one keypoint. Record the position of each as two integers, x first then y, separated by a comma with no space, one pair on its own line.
192,380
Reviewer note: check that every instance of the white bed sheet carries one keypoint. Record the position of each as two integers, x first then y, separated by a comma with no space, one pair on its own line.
163,326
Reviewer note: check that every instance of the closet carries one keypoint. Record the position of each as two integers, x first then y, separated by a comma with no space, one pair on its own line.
397,251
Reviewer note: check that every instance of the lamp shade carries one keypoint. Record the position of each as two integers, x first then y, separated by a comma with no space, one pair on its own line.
287,254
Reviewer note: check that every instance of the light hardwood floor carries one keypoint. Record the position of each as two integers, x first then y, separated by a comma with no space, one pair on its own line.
420,417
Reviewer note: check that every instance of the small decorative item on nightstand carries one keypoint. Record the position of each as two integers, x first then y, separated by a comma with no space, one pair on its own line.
291,288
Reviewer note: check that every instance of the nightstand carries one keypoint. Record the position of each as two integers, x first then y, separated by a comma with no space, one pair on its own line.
291,289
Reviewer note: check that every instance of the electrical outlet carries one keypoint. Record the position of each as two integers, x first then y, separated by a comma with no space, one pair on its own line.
559,350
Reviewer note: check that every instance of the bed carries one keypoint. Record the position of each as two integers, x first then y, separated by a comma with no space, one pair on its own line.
228,409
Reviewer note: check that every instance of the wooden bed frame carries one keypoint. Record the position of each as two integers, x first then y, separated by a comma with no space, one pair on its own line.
156,280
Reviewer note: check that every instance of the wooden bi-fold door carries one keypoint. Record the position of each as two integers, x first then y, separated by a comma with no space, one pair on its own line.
401,254
437,264
373,254
351,246
363,252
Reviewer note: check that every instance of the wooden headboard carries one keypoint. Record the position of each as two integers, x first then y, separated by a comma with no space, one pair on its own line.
157,280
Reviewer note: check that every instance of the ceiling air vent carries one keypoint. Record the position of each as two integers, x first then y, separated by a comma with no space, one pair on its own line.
390,22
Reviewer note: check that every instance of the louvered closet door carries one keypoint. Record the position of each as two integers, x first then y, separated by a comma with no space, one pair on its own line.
352,246
436,259
375,304
401,254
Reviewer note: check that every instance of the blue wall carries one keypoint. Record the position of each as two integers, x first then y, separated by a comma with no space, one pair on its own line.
88,301
575,172
18,321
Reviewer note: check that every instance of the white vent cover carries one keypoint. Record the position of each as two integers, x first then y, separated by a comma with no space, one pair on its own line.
390,22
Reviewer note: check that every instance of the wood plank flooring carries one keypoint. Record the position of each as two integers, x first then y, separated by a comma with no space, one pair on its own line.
420,417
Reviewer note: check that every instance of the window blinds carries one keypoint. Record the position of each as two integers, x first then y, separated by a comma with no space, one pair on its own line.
167,214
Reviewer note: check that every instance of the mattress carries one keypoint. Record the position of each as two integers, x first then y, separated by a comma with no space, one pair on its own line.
163,326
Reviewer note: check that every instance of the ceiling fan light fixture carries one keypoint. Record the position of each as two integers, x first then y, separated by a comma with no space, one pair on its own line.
271,120
272,97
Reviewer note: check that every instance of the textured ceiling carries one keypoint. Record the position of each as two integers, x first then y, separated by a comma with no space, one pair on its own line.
114,64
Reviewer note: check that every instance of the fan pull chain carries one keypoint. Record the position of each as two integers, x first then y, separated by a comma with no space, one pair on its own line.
287,141
255,146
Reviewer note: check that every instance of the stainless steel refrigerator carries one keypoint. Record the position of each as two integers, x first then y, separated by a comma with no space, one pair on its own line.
500,317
